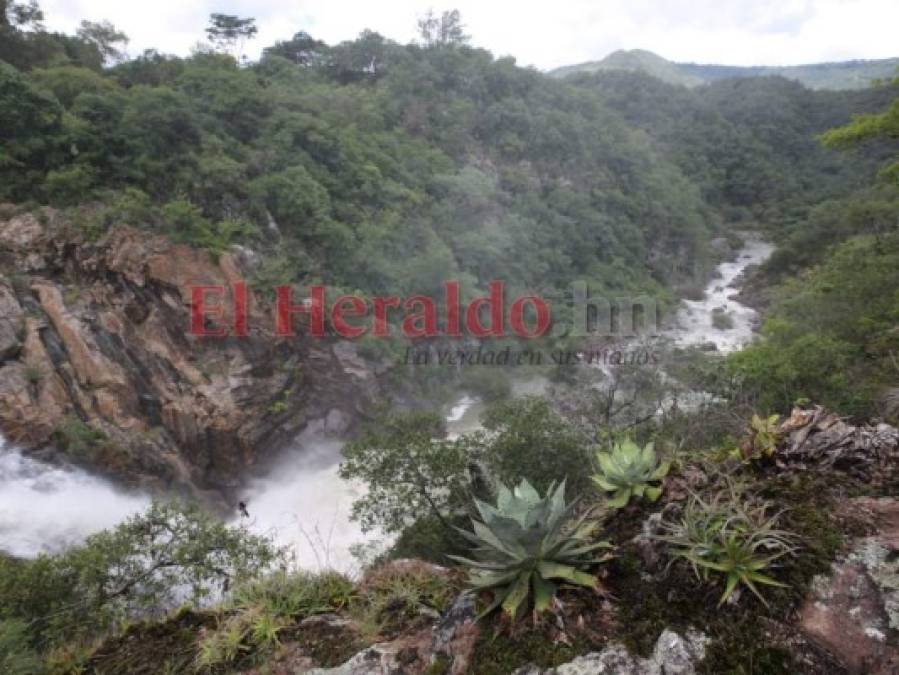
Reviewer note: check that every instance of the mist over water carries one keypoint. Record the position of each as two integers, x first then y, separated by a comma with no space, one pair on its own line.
303,504
45,508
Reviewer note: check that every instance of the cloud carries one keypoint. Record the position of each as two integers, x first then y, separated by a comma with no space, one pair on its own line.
545,34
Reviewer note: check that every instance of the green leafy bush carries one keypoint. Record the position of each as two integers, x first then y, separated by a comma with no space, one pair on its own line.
146,564
527,543
628,470
731,535
394,595
17,656
295,595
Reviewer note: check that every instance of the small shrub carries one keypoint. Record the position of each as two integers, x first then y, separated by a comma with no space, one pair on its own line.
296,595
17,657
763,438
394,595
78,438
731,535
261,608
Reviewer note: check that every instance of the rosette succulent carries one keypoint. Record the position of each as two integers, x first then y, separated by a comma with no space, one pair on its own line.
629,470
529,544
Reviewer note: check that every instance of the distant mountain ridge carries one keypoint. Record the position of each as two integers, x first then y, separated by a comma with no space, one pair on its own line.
856,74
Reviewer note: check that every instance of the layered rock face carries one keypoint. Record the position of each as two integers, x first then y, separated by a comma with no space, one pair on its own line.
97,360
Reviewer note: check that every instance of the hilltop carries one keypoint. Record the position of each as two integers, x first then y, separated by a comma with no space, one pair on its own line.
856,74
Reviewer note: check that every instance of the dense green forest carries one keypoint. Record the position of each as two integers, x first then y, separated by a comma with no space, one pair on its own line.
389,168
381,167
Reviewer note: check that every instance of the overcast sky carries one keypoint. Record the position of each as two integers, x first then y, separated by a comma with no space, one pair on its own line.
545,34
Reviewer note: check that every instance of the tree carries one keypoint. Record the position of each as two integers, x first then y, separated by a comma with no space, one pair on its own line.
302,49
21,15
229,32
146,564
110,41
883,125
409,471
363,58
526,439
445,30
30,133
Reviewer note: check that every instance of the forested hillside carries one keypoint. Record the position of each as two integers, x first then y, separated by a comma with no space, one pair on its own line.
857,74
359,155
720,510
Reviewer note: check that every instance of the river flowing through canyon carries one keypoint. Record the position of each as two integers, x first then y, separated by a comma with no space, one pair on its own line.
302,503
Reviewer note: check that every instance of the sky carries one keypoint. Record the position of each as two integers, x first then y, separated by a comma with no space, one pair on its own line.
541,34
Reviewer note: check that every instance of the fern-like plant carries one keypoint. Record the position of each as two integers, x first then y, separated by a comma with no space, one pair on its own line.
629,470
530,543
730,535
763,436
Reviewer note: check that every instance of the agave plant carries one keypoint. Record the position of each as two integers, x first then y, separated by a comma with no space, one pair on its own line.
529,543
730,535
629,471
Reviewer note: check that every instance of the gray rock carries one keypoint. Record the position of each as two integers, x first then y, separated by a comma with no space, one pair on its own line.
673,655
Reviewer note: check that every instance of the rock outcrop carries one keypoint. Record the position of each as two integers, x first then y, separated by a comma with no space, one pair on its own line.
447,645
95,344
853,612
822,440
673,655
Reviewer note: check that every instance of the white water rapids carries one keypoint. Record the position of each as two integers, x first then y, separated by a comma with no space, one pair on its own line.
302,503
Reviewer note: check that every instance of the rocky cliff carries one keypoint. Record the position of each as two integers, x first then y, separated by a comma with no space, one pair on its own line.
97,363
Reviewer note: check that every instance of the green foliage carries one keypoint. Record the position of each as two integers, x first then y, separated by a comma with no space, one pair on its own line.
527,544
628,470
68,82
295,595
70,185
830,333
490,384
395,595
187,224
30,133
526,437
409,473
261,608
78,438
360,155
764,435
145,564
866,127
17,656
429,539
732,535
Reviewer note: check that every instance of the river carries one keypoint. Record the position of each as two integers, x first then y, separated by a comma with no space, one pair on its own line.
303,504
